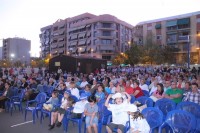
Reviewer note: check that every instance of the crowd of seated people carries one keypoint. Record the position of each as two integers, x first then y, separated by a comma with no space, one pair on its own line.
176,84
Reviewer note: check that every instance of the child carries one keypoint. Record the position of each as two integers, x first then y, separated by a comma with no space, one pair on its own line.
137,121
119,112
52,102
90,112
87,90
67,102
79,106
100,93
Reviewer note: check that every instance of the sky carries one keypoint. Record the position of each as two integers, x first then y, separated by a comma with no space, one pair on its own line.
24,18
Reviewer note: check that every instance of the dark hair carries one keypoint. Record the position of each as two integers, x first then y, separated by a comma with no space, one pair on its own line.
136,115
137,82
88,85
55,93
92,98
162,88
195,84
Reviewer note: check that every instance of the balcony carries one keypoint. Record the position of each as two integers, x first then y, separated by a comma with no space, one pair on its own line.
183,38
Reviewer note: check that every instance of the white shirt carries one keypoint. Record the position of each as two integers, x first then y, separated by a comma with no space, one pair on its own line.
119,113
79,106
153,89
83,84
75,92
64,103
140,125
144,87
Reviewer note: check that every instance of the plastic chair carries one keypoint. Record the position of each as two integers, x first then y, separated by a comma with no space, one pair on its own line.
40,88
145,100
68,118
165,105
179,121
146,93
193,108
153,116
8,103
132,99
17,101
39,101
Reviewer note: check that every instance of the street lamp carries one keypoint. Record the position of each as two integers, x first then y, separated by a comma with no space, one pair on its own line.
80,51
92,52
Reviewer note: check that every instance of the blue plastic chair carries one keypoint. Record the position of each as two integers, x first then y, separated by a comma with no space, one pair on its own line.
132,99
179,121
146,93
17,101
68,118
8,103
165,105
193,108
145,100
38,103
48,113
154,117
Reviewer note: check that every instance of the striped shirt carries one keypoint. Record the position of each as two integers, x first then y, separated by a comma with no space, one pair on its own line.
193,97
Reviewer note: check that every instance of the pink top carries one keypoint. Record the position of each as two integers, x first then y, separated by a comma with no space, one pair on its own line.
157,95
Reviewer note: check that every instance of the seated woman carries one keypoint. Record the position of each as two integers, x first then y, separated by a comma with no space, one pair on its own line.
8,93
159,93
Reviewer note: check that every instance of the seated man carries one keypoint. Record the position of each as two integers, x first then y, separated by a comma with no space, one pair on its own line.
174,93
194,95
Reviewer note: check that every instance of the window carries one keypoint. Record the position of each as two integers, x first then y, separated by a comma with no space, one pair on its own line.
149,28
106,33
106,25
172,38
95,34
95,25
55,28
95,42
106,57
158,37
106,41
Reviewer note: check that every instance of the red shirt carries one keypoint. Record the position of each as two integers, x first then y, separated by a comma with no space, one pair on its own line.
140,92
129,90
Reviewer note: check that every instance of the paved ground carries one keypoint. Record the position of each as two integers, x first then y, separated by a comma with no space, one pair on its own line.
8,124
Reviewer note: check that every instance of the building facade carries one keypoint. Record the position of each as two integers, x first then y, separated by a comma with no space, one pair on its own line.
181,32
16,49
86,35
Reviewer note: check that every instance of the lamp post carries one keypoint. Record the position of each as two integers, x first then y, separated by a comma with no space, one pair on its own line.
188,63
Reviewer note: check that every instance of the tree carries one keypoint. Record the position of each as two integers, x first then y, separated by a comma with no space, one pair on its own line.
151,52
134,54
120,59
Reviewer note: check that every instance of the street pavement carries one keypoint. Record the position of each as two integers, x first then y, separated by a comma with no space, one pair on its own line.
17,124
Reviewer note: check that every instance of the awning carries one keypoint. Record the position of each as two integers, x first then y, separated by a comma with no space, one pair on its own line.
74,37
89,33
73,43
183,21
54,46
87,26
61,39
158,26
81,35
171,23
60,45
81,42
88,41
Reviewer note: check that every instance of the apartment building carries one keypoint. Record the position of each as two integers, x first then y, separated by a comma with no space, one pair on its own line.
16,49
178,31
100,36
